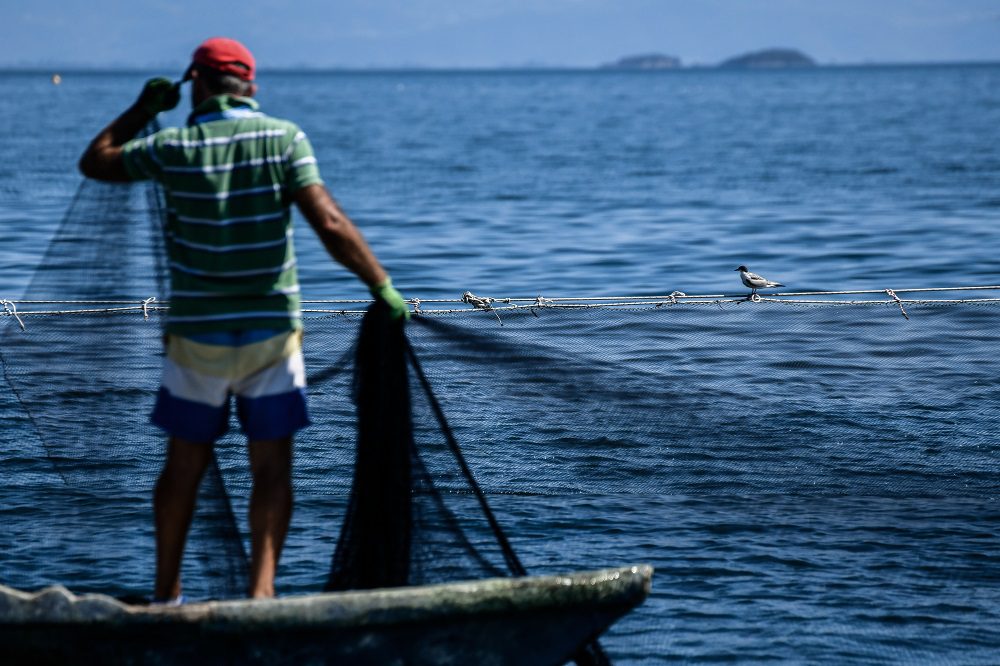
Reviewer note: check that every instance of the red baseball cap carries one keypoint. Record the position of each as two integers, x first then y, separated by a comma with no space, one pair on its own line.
226,55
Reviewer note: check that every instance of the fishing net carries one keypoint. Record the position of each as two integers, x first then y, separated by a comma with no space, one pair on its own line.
396,528
773,459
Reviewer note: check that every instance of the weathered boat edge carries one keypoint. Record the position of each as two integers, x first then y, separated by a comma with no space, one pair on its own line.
529,620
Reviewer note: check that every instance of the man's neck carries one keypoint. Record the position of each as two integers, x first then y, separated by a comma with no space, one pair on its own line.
224,106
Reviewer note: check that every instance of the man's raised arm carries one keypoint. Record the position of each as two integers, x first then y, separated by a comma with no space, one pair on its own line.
103,158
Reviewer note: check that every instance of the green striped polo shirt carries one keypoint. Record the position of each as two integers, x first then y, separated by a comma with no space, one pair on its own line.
228,178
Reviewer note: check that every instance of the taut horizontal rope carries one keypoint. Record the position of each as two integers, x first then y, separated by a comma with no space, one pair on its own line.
493,305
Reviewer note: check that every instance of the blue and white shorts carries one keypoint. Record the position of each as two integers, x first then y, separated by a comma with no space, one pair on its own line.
264,369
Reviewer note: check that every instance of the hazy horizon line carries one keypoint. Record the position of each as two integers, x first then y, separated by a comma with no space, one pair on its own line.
51,68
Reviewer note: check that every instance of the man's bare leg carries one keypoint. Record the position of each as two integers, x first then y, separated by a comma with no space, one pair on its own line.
173,506
270,510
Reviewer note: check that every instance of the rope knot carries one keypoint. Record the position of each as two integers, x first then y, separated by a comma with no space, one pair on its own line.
898,302
10,310
416,305
539,303
145,307
481,303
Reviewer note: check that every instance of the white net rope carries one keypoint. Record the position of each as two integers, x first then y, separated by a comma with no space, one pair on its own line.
471,303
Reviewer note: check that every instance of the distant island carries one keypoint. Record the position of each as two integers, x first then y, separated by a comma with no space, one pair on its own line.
770,59
645,61
764,59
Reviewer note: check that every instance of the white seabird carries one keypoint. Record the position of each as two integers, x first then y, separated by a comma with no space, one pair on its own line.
755,281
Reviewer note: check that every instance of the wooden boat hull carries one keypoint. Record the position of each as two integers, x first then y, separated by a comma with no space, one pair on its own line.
524,621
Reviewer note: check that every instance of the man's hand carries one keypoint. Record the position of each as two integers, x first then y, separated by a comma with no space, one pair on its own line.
390,296
159,94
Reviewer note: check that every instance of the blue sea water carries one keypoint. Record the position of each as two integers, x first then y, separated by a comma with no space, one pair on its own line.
612,183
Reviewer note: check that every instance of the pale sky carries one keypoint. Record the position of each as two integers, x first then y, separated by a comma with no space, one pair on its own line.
492,33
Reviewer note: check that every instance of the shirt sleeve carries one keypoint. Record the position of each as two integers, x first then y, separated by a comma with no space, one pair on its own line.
142,159
302,169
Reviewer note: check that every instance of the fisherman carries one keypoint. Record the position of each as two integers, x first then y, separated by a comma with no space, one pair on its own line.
235,325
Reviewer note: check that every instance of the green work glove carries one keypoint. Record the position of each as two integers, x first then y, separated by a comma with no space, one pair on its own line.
159,94
388,295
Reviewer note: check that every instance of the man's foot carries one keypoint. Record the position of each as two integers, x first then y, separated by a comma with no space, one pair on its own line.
179,600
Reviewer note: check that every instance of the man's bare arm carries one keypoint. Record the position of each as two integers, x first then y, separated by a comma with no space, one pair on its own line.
103,158
339,235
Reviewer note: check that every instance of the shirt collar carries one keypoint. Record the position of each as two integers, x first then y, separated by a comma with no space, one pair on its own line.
224,106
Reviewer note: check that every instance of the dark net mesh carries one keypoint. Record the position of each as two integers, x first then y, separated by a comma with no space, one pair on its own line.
396,528
89,386
776,463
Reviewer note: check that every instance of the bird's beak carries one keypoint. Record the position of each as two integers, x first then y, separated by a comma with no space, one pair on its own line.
736,269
